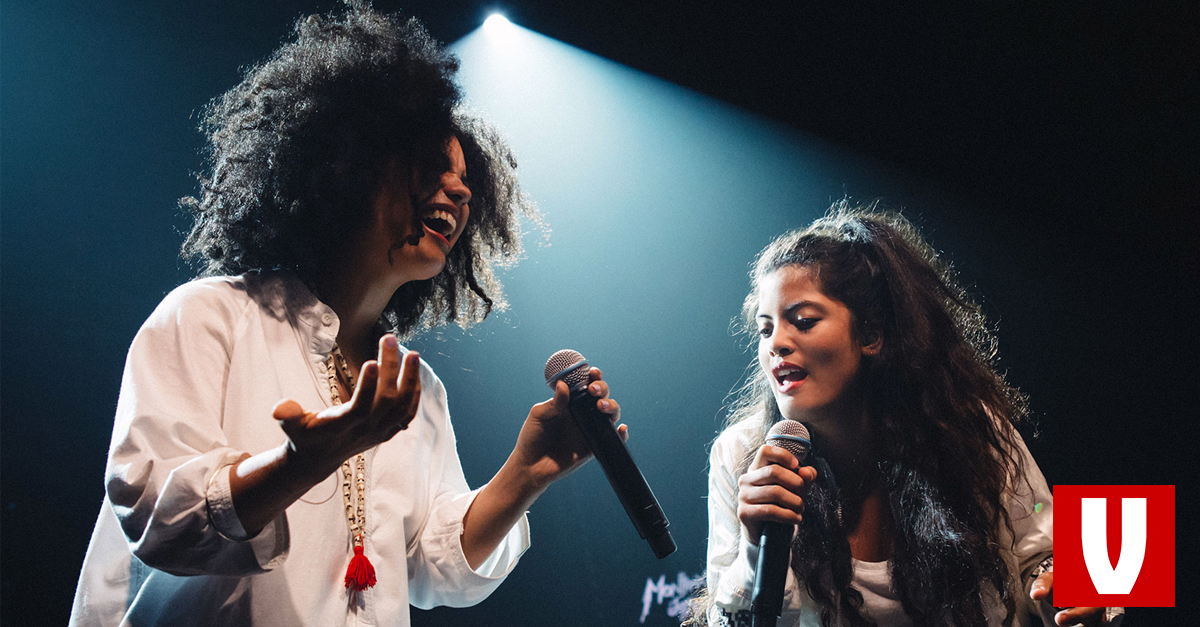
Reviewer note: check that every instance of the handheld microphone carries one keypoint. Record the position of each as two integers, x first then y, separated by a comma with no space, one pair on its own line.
775,544
627,481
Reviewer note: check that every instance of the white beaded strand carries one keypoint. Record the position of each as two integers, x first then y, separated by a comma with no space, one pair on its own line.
356,509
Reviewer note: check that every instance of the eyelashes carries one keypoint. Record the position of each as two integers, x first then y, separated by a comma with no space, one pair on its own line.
805,324
802,324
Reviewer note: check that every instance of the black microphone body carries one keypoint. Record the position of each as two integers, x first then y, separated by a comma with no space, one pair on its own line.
770,574
612,454
775,543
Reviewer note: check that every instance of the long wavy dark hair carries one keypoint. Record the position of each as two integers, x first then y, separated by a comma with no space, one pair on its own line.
942,415
298,149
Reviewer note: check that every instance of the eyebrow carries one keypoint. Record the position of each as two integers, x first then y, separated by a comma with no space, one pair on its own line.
791,308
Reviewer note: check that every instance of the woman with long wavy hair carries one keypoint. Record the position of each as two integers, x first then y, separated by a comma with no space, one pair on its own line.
920,504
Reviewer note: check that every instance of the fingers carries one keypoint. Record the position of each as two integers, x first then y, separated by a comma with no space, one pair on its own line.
623,431
773,496
410,375
1041,589
773,456
752,515
390,387
759,504
368,381
772,484
389,368
771,490
610,407
410,386
597,387
1076,615
768,455
1042,586
600,390
793,481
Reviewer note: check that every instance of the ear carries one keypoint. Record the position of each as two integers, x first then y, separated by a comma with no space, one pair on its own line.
873,344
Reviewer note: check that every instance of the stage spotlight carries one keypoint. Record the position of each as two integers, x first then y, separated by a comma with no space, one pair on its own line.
496,24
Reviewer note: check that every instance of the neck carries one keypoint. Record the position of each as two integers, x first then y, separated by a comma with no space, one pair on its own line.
358,298
843,436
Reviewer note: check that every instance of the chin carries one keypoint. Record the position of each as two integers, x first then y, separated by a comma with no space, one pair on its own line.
422,264
430,271
790,409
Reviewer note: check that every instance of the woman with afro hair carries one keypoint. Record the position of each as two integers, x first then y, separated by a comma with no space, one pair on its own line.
348,204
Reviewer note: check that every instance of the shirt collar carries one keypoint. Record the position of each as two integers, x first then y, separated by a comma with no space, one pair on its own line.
284,296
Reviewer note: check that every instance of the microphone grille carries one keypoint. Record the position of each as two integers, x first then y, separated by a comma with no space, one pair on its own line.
568,365
791,436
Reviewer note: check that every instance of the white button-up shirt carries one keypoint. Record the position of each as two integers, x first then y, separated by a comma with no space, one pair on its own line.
200,382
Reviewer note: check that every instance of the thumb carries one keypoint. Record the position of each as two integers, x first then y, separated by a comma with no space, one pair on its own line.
287,410
556,405
1042,586
562,397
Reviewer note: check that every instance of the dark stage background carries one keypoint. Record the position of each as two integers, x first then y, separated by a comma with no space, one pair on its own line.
1048,148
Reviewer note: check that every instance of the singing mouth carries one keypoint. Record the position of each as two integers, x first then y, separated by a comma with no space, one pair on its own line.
788,373
441,222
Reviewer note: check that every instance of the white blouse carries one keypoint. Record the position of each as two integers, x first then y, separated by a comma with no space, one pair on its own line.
200,382
732,558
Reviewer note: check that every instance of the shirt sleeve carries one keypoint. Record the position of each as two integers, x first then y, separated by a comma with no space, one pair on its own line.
730,569
439,574
1031,511
732,557
167,474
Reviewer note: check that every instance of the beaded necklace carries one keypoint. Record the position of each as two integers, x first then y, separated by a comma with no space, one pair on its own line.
360,574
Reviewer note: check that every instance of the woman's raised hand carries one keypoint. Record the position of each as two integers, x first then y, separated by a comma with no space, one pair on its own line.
385,400
772,489
550,446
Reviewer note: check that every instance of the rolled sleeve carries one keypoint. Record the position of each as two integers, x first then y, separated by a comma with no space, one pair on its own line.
734,591
438,568
167,477
269,546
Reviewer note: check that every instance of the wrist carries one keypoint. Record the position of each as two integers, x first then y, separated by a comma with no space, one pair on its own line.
522,480
307,468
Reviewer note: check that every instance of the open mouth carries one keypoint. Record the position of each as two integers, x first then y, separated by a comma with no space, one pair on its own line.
440,222
789,374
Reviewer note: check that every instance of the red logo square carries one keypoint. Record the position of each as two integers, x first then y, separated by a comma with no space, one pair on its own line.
1114,545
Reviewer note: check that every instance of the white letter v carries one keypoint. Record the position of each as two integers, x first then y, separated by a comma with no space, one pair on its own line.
1109,580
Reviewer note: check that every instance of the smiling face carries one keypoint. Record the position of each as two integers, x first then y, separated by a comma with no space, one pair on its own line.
442,211
807,346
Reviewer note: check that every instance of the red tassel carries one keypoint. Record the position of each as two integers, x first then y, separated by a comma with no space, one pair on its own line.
360,575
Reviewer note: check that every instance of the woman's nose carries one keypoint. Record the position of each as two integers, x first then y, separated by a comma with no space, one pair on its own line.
780,350
456,190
